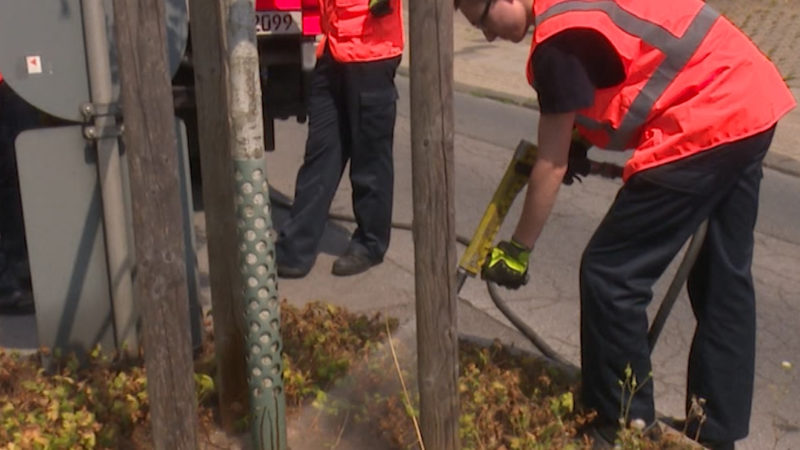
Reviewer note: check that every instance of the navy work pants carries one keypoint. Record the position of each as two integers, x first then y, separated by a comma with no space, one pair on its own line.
651,218
352,111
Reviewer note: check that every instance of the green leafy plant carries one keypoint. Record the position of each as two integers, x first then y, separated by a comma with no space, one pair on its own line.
339,366
69,407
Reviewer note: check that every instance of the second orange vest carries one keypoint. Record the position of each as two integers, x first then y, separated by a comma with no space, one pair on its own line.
693,81
353,34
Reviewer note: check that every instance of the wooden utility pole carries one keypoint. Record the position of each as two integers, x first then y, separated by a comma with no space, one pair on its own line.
433,172
160,285
208,21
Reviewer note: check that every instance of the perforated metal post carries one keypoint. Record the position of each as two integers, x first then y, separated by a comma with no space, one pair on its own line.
263,342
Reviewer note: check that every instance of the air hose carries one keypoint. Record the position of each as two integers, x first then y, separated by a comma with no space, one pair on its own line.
606,170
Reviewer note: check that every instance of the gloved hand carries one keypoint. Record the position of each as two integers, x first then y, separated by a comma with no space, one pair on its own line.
380,8
578,165
507,265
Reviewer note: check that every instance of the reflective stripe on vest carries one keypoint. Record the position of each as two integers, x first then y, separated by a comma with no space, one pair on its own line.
677,51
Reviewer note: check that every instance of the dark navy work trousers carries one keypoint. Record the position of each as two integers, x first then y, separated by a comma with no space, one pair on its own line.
352,111
651,218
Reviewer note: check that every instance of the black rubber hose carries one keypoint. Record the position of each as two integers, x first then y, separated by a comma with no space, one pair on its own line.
677,283
523,328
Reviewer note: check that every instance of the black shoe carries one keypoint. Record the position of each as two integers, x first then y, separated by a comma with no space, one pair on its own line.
603,437
681,426
354,261
675,423
602,433
288,271
285,271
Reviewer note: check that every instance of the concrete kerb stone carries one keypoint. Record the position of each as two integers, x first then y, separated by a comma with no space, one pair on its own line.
784,155
782,163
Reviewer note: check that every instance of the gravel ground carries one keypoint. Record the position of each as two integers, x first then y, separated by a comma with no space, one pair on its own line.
774,25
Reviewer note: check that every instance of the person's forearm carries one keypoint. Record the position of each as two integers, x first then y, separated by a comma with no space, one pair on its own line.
539,199
555,132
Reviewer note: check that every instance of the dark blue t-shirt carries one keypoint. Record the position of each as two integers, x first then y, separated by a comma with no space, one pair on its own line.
570,65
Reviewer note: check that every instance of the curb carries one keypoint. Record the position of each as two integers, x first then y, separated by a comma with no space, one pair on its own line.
774,161
782,163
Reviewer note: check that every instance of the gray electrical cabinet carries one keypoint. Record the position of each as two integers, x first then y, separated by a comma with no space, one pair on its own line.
46,62
43,53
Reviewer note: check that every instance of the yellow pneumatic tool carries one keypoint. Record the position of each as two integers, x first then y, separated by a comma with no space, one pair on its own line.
514,179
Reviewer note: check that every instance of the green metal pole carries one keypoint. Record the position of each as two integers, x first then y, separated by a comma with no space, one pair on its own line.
263,342
262,310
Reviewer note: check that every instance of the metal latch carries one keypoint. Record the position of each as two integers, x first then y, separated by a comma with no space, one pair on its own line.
93,132
102,129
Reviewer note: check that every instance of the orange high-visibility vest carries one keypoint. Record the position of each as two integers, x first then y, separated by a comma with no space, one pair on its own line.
353,34
693,81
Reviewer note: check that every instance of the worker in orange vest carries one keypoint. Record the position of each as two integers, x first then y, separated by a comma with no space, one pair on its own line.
698,104
352,110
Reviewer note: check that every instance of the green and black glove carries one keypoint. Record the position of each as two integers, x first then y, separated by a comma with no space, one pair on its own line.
380,8
507,265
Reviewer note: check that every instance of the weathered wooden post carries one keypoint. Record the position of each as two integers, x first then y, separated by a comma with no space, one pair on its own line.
208,21
433,172
160,284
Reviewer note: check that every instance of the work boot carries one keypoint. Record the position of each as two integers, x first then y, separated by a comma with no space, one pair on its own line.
602,440
354,261
690,432
603,435
284,269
